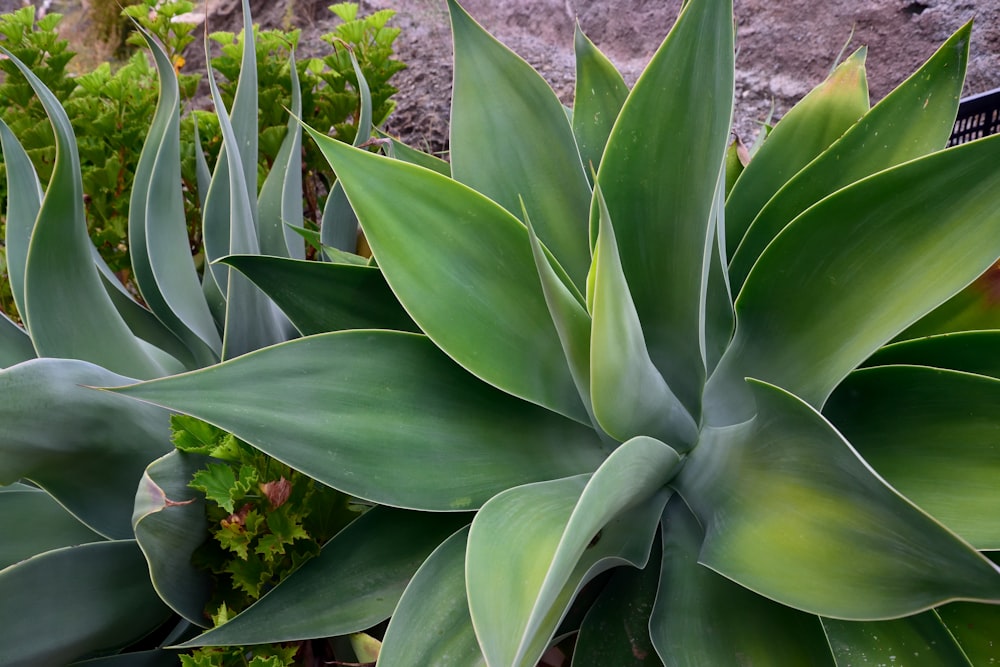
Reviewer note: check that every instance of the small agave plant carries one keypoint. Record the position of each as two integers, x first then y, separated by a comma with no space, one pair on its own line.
608,384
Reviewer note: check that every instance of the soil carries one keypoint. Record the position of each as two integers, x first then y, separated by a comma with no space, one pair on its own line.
784,48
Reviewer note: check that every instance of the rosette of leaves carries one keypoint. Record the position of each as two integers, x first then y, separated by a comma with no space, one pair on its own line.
681,420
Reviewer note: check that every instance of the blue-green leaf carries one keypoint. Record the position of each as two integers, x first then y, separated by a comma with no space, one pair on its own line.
968,351
599,96
24,199
920,640
34,522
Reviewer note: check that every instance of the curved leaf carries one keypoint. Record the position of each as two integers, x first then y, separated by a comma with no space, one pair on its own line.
568,531
401,151
968,351
322,296
24,199
815,122
77,323
928,100
352,585
431,624
87,448
702,619
932,434
379,408
63,604
629,395
34,522
660,188
510,141
792,512
974,308
463,269
869,261
976,628
15,344
170,524
599,96
158,235
154,658
923,640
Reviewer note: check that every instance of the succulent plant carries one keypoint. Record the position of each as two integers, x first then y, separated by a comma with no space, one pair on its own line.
679,420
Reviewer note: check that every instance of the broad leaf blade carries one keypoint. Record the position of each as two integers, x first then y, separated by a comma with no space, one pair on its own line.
976,628
463,269
510,140
92,456
15,344
352,585
968,351
33,522
517,599
932,434
629,395
928,100
793,512
96,595
923,640
170,524
819,119
660,190
374,411
703,619
976,307
24,199
322,296
431,624
868,260
599,96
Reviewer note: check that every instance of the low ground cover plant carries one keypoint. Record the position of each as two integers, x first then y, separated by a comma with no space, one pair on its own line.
604,391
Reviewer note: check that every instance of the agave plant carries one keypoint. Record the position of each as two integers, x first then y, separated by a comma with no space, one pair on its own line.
608,383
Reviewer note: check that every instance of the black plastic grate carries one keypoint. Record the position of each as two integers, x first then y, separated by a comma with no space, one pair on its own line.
978,116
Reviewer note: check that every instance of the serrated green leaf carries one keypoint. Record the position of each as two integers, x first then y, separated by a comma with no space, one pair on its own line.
91,457
702,619
352,585
510,140
390,388
793,512
570,530
33,522
659,188
431,624
322,296
440,244
815,122
217,481
869,260
932,434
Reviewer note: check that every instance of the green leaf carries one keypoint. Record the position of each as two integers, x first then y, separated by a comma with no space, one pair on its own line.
815,122
510,140
92,597
15,344
659,190
170,524
280,201
629,395
217,481
431,624
615,630
353,584
154,658
868,260
88,449
968,351
569,530
932,435
976,628
928,100
599,96
158,235
81,323
322,296
974,308
393,389
445,248
34,522
792,512
24,199
921,640
401,151
700,618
